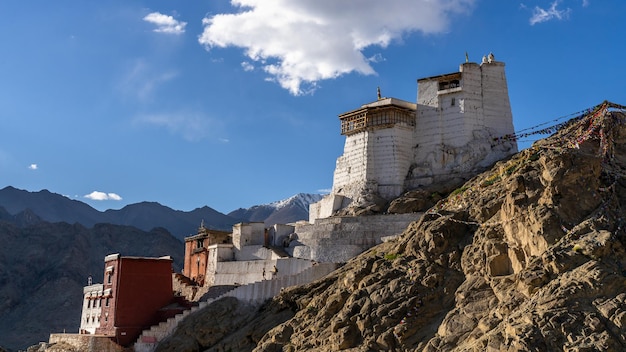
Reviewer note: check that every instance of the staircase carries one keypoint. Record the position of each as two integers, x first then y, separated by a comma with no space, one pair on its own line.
254,293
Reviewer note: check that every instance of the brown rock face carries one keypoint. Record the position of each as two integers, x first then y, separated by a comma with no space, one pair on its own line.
529,256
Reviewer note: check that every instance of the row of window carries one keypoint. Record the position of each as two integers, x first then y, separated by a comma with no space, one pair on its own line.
93,318
455,83
385,117
97,303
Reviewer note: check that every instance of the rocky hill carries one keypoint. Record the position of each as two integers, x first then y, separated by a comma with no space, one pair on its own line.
529,256
44,266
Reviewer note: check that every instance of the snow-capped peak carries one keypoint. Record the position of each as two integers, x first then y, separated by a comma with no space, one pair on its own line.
300,199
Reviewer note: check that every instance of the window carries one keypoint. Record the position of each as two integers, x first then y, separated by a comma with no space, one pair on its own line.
109,278
453,102
88,303
106,303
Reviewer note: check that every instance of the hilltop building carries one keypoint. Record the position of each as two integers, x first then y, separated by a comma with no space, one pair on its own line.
132,298
393,146
92,308
197,252
251,253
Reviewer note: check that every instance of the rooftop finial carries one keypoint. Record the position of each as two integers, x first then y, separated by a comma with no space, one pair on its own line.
378,93
466,57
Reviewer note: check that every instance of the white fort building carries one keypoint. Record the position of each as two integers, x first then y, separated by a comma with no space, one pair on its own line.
393,146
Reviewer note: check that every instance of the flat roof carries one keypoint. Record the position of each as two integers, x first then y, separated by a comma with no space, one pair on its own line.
382,103
445,76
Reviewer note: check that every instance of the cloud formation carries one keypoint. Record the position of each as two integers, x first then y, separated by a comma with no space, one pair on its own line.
142,79
542,15
165,23
96,195
192,127
301,42
33,167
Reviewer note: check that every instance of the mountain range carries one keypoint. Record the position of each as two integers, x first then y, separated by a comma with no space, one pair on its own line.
53,207
51,244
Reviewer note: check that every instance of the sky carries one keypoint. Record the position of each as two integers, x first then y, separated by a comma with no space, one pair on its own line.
233,103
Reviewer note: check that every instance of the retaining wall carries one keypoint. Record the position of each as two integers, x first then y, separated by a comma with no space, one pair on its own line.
339,239
87,343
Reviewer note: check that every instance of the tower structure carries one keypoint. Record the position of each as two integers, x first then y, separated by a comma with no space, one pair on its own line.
393,145
458,116
377,151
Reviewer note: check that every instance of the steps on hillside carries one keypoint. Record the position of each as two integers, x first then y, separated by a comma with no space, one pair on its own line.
254,293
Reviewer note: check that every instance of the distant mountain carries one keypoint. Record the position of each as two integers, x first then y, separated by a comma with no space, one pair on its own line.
146,215
281,212
53,207
44,266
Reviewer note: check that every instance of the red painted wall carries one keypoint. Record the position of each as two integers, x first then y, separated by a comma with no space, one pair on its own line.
140,287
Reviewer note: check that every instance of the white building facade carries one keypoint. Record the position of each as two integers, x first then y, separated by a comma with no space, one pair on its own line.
92,308
393,146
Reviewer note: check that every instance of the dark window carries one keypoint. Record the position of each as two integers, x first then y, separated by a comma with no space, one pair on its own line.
106,303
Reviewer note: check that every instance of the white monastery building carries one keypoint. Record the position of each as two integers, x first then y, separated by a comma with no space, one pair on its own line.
393,146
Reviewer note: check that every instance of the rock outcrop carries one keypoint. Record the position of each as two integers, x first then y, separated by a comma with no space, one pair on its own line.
529,256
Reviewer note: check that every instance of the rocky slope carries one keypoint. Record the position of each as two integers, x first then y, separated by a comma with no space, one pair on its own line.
529,256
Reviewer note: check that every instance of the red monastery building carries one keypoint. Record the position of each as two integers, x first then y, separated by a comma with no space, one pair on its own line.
197,252
133,292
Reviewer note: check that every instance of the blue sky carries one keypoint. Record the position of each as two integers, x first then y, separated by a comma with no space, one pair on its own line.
234,103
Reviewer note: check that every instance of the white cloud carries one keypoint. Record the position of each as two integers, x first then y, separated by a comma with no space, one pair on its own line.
191,126
33,167
585,3
96,195
300,42
165,23
542,15
247,66
142,80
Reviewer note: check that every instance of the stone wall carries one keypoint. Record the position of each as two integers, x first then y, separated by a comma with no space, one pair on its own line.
248,234
245,272
338,239
217,253
388,159
381,157
351,165
87,343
